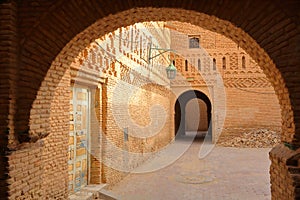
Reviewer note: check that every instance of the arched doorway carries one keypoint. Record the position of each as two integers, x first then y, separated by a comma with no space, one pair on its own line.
181,112
87,35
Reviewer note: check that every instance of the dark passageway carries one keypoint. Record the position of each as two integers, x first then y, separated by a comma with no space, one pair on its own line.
180,111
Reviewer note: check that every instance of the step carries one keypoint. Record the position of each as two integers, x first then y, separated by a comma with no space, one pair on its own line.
81,195
91,192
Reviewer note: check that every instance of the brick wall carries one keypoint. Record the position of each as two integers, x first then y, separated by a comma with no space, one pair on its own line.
146,131
95,134
253,108
284,172
36,169
105,130
242,97
8,77
55,150
26,172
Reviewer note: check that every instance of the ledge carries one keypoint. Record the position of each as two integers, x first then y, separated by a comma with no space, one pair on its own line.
91,192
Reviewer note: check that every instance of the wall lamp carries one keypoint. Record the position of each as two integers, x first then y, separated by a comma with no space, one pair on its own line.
171,69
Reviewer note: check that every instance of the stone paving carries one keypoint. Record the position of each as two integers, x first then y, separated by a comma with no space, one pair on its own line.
226,173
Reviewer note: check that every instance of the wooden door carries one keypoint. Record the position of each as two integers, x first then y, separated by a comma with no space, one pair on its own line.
78,139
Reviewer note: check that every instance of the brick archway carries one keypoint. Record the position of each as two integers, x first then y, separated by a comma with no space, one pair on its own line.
83,39
51,35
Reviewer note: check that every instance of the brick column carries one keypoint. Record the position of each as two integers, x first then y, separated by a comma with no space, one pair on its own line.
8,75
284,173
95,141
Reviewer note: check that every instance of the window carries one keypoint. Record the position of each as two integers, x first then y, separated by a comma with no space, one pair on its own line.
186,66
93,57
224,63
199,64
214,64
174,62
194,42
243,62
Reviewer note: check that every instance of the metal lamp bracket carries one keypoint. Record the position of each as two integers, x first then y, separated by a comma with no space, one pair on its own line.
156,55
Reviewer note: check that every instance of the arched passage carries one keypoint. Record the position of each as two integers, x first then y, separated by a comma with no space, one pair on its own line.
62,62
52,37
180,111
84,38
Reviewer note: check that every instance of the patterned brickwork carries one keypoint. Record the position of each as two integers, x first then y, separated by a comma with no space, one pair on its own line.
85,71
250,101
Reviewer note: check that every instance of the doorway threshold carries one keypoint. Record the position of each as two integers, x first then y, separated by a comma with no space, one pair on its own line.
91,192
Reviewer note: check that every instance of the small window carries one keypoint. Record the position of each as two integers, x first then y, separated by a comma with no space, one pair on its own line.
214,64
224,63
93,58
199,64
174,62
194,42
243,62
186,66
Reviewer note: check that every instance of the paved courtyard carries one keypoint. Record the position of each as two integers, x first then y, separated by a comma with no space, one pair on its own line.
224,174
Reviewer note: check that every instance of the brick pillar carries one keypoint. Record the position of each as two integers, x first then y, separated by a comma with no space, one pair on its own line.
284,173
8,75
95,141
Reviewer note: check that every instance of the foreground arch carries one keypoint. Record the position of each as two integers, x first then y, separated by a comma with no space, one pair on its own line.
38,50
